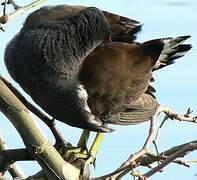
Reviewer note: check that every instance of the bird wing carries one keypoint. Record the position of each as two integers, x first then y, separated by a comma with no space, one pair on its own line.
123,29
116,77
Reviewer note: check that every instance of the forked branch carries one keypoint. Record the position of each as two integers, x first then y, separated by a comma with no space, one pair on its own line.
52,163
14,169
19,11
136,159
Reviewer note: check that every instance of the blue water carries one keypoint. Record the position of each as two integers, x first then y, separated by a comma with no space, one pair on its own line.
176,86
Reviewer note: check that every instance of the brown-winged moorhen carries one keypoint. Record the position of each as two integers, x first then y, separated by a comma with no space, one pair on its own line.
54,61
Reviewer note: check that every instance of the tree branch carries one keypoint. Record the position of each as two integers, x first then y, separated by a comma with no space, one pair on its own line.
180,117
50,123
54,167
139,157
10,156
20,11
10,2
14,170
181,152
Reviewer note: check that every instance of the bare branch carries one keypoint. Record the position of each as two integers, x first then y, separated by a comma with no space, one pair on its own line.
5,6
136,159
191,161
12,3
175,116
131,161
53,165
50,123
8,157
181,152
14,170
20,11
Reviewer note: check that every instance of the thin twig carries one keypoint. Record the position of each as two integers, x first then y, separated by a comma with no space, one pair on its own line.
181,162
149,158
14,170
12,3
191,161
132,161
155,141
175,116
5,7
20,11
126,167
184,150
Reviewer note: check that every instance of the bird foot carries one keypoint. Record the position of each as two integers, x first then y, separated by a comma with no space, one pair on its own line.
71,153
79,157
76,154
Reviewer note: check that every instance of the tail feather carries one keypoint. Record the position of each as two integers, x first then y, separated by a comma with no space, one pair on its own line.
173,49
165,51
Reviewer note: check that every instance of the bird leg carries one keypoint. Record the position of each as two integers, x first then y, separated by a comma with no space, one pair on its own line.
80,154
94,149
91,155
82,144
84,139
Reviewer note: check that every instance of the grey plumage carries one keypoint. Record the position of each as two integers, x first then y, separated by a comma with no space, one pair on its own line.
45,58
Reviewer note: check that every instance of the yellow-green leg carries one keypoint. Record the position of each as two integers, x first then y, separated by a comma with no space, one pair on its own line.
95,144
84,139
81,151
94,148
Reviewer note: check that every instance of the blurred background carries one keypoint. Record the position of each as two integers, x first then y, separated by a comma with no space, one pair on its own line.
176,86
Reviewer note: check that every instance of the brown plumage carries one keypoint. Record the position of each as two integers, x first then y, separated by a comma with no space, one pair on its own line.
117,78
116,75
